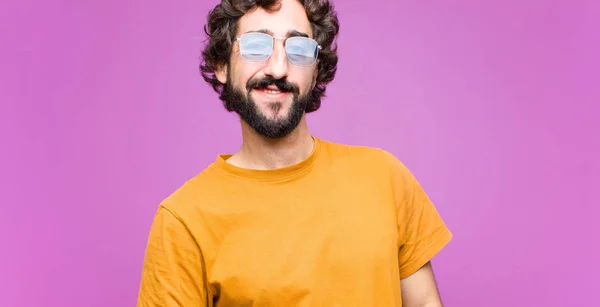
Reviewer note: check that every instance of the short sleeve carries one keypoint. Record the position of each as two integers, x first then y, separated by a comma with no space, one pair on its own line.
421,230
173,270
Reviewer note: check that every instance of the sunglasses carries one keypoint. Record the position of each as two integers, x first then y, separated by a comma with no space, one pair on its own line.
258,47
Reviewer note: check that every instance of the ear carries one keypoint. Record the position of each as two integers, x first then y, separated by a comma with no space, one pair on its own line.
315,75
221,73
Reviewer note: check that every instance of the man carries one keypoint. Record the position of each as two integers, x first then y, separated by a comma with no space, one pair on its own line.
289,219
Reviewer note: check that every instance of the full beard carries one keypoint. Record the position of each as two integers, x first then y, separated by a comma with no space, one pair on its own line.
242,103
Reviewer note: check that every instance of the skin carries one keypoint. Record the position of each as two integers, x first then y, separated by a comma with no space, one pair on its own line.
420,289
258,152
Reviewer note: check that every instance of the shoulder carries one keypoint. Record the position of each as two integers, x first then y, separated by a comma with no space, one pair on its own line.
192,193
374,164
373,157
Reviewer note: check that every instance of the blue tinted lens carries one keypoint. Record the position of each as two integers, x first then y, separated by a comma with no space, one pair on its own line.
301,51
256,46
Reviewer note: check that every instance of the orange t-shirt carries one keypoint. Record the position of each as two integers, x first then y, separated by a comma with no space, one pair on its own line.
340,228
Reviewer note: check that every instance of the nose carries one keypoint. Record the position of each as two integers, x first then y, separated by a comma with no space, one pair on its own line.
277,65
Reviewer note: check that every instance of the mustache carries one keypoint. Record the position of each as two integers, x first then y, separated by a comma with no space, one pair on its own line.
281,84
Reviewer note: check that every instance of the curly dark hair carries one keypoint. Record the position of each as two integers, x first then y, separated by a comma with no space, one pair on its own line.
222,26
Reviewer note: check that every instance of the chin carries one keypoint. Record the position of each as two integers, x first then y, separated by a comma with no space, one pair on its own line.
275,112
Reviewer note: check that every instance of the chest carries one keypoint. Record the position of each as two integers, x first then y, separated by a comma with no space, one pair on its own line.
304,247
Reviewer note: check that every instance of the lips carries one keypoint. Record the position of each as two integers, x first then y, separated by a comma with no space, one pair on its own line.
268,88
271,86
271,89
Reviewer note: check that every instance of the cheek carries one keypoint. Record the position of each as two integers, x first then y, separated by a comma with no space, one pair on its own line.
238,72
304,81
241,75
237,78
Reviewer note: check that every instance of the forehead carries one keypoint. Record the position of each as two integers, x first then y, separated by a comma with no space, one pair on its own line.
290,17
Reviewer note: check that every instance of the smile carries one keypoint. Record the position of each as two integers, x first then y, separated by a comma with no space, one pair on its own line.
273,93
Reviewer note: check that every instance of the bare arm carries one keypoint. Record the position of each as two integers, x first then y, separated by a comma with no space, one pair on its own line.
420,289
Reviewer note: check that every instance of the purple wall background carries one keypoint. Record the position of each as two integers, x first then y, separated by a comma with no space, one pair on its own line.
492,104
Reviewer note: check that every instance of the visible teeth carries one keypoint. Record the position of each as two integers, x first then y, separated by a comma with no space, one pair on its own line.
271,91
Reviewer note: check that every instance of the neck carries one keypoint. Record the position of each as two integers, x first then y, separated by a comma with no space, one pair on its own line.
258,152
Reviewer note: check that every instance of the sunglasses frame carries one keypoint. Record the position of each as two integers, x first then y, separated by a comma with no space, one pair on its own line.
284,39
